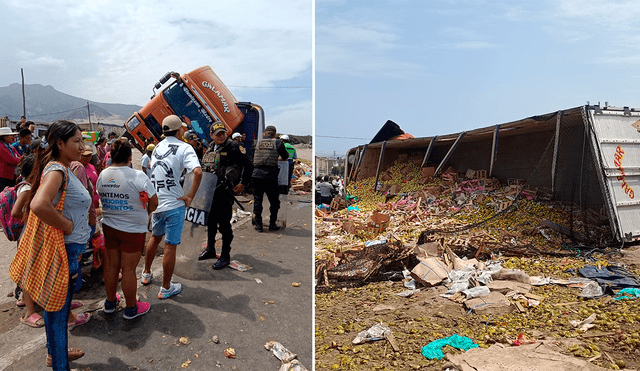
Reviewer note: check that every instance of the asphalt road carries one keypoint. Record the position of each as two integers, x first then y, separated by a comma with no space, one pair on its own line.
244,310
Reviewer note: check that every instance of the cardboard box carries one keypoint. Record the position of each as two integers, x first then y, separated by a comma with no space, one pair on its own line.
430,271
426,172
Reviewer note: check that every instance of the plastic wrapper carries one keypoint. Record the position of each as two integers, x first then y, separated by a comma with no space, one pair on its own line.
407,293
456,286
592,290
280,351
477,291
512,275
409,282
378,331
289,361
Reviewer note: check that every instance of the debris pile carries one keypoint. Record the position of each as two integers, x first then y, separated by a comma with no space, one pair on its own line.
302,180
463,256
471,214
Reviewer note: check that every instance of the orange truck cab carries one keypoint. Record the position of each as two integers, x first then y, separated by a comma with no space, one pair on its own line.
199,98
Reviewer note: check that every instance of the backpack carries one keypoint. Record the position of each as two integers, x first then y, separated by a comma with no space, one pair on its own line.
12,227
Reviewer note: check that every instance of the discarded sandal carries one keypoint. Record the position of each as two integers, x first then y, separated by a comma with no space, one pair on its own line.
81,319
72,354
35,320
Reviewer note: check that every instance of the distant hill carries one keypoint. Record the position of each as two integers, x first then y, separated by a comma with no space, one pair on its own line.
46,104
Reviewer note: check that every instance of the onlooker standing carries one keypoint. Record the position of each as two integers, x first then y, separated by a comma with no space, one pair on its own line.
170,157
146,159
194,140
237,137
101,150
326,191
291,150
22,144
65,145
22,124
86,173
125,220
264,177
9,158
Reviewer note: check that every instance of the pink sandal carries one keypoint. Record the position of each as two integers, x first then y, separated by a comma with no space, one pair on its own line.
81,319
76,304
35,320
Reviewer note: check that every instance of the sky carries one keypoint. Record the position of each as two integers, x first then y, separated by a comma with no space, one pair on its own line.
439,67
114,51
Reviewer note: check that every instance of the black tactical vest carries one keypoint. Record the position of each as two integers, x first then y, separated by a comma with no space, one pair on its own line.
266,153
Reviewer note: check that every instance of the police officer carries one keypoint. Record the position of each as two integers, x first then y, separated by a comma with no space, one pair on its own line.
233,169
264,178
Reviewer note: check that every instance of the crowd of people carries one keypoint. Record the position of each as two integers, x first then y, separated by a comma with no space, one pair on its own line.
92,193
327,187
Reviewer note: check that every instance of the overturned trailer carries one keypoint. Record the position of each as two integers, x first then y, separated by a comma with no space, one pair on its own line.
588,156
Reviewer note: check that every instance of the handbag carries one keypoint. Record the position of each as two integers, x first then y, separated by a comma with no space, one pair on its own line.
40,266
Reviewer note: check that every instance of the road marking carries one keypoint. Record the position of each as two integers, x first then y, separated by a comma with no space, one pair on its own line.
27,348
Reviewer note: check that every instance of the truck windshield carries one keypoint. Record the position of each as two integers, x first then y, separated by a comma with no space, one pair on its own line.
188,108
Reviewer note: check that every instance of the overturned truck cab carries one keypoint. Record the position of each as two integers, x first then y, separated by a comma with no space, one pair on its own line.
587,156
199,98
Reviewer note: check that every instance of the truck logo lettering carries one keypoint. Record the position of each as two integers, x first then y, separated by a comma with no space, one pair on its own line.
209,86
617,161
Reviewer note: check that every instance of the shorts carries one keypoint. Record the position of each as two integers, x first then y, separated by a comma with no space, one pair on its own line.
168,224
124,241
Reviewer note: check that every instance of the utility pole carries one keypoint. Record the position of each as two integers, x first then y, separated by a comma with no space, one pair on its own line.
24,107
89,112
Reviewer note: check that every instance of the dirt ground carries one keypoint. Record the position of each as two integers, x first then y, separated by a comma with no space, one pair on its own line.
415,321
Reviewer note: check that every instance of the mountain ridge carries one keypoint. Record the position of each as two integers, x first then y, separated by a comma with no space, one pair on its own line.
45,104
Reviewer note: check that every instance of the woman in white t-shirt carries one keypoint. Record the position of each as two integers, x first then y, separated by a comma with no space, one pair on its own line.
127,198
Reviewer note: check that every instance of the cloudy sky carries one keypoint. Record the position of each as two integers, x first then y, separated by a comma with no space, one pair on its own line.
445,66
113,51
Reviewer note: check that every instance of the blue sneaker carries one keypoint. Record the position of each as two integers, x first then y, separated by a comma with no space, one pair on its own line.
174,289
110,306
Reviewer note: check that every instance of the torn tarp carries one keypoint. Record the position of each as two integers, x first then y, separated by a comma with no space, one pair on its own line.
613,276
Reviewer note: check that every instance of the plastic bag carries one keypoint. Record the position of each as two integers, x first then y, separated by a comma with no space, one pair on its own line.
433,350
628,293
456,286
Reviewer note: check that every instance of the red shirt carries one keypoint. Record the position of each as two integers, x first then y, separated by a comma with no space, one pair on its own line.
9,159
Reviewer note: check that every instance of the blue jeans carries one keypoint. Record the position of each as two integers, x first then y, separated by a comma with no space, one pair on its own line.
56,328
55,323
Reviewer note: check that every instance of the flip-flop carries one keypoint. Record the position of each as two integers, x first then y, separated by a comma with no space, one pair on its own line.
20,303
81,319
35,320
76,304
